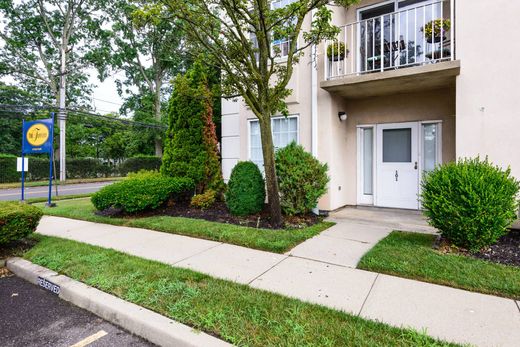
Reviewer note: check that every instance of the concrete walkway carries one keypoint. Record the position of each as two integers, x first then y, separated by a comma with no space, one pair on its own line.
322,270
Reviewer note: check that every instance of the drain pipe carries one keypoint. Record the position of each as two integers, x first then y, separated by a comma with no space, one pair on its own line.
314,102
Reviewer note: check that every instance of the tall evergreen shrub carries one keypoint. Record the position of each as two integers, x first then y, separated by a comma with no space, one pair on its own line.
191,146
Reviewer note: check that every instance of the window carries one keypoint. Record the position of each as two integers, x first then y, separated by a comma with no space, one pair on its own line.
430,146
397,145
280,45
285,131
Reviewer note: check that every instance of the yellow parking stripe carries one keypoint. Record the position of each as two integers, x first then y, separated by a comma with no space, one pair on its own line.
90,339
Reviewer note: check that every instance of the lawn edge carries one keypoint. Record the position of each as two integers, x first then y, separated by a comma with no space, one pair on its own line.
139,321
14,185
325,224
423,279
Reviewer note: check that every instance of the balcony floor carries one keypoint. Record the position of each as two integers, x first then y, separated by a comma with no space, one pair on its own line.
398,81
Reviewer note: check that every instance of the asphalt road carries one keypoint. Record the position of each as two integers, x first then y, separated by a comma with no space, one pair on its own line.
39,192
31,317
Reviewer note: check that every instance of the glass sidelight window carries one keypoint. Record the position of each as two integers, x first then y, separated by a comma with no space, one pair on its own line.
368,160
430,135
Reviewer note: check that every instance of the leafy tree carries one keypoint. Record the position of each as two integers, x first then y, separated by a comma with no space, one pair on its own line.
46,44
149,51
238,36
46,49
191,146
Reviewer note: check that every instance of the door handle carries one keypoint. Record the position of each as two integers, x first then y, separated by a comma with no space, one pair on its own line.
396,175
415,167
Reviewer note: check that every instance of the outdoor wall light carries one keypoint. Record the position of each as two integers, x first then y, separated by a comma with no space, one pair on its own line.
342,116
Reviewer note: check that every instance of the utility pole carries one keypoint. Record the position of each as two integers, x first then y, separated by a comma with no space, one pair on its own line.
62,114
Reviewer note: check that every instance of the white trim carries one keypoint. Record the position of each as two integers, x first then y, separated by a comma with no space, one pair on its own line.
363,199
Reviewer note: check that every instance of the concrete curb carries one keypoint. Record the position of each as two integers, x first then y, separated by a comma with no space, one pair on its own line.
137,320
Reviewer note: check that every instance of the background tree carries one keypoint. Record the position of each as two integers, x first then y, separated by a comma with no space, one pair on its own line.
237,34
191,145
46,46
149,51
11,122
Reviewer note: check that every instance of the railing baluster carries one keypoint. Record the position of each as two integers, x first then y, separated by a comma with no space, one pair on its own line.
442,31
424,35
407,26
345,49
382,24
352,47
366,47
433,32
452,29
415,28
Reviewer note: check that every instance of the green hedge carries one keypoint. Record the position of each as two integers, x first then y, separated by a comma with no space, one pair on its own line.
17,221
142,192
246,189
471,202
142,162
76,167
302,179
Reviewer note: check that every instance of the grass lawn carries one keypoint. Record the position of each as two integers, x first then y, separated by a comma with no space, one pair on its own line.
59,198
236,313
278,241
69,181
411,255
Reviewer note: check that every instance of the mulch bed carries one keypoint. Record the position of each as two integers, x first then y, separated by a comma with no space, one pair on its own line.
506,251
219,213
16,248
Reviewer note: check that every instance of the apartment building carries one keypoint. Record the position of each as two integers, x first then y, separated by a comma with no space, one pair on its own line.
390,98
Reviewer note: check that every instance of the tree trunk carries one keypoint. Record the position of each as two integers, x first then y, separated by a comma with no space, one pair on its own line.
273,194
157,112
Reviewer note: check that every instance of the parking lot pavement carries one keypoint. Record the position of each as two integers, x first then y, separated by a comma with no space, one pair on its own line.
31,316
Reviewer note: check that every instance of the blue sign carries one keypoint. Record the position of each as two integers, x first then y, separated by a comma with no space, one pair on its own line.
38,136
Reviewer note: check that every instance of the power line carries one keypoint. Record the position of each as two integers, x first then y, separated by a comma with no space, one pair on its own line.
24,110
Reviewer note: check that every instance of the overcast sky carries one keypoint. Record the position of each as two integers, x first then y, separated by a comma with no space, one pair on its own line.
104,97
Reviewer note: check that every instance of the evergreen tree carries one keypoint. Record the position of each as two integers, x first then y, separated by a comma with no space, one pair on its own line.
191,146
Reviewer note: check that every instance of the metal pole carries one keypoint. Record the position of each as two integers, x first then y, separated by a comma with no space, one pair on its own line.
62,116
23,159
51,159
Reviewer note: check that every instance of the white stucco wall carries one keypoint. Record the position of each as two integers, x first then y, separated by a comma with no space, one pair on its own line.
488,91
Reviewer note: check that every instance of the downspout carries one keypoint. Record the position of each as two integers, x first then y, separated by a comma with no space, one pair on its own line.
314,103
314,99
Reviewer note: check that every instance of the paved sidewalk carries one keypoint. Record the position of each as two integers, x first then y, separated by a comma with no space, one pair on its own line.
321,270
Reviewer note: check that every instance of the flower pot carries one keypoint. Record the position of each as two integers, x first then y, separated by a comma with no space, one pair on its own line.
435,39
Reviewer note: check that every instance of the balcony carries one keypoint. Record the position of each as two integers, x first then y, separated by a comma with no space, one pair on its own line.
393,52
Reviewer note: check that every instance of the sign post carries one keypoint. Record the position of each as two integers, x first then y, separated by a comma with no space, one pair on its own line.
37,137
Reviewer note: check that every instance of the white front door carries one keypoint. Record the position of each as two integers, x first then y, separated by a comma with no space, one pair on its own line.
397,165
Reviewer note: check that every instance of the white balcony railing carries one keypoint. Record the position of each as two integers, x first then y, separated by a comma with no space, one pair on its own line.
410,37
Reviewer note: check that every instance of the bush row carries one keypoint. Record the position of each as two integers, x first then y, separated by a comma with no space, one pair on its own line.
142,191
302,180
76,168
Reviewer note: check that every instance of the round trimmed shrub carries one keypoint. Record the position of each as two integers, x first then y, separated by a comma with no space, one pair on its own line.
246,189
472,202
302,179
17,220
141,192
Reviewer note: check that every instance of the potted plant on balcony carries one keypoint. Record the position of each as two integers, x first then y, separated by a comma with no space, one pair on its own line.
337,51
435,30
